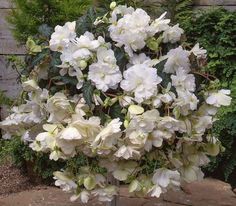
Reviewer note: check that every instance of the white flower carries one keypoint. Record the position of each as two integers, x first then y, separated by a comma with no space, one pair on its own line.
30,85
120,10
84,196
142,81
183,81
219,98
108,136
156,139
70,133
130,31
177,58
64,181
87,41
159,25
156,191
105,73
104,76
165,178
172,34
88,128
127,152
168,123
141,125
62,36
59,107
191,173
199,52
186,101
126,101
105,194
124,169
46,140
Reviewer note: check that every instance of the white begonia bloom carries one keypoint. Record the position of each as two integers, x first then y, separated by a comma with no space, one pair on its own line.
140,126
199,52
139,59
59,108
156,191
191,173
107,138
159,25
156,139
166,178
84,196
70,133
168,123
120,10
177,58
26,115
87,41
183,81
130,31
202,123
30,85
88,128
64,181
127,152
105,73
46,140
167,98
186,101
220,98
125,101
124,169
62,36
172,34
142,81
105,194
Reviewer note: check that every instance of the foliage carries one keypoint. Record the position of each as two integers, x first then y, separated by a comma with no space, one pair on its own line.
215,30
29,15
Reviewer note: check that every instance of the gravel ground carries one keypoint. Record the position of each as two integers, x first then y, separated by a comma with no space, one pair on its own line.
12,180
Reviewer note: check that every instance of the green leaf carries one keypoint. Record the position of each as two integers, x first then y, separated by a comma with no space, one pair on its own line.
165,77
39,57
89,182
88,90
45,30
85,23
115,112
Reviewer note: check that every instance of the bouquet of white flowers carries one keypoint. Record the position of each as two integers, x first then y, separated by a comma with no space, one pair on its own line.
130,97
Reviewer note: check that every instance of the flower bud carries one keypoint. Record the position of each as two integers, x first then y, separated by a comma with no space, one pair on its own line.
83,64
113,5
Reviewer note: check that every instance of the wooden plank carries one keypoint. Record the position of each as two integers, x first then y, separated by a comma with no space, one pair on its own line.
215,2
7,43
229,8
8,84
6,4
8,78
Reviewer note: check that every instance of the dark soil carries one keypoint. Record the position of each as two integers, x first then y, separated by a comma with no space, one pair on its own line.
13,180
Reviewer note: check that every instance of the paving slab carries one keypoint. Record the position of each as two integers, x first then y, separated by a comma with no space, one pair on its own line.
208,192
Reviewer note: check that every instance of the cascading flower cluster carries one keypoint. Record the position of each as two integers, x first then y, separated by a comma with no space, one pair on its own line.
140,110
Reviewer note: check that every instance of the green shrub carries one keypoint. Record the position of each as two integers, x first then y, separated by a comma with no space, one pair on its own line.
29,15
215,31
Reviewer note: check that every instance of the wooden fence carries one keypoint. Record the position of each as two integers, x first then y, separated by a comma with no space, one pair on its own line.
8,45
